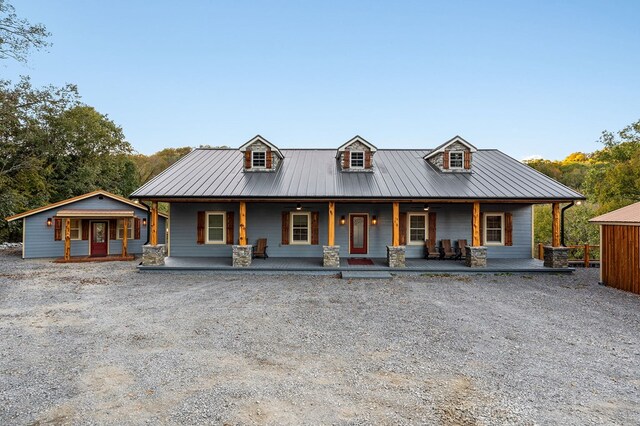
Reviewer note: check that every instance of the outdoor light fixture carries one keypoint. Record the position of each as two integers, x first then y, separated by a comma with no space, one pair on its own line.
48,221
342,220
579,202
426,207
299,206
374,220
144,221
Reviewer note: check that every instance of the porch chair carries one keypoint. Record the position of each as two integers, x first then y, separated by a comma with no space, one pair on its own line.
260,249
446,252
430,250
461,249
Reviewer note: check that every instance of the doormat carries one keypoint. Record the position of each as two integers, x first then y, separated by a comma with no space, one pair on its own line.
359,261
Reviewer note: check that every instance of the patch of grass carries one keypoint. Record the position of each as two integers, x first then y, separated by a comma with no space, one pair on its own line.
503,274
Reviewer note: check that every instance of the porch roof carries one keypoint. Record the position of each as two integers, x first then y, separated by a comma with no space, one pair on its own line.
95,213
313,174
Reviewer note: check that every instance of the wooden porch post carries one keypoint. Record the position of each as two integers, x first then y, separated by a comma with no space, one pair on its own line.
331,239
396,224
475,225
555,226
153,226
125,225
67,239
243,223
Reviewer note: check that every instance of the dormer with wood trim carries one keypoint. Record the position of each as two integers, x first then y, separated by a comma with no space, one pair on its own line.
356,155
455,155
260,155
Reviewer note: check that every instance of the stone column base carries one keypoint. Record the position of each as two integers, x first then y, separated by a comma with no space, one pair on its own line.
331,256
153,255
475,257
556,257
396,256
242,256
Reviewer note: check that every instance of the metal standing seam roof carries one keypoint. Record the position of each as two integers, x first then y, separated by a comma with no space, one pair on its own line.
315,173
625,215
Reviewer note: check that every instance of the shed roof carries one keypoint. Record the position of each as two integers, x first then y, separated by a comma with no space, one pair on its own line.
83,213
626,215
314,174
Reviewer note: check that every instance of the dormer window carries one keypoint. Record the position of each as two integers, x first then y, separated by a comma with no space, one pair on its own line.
258,159
357,159
456,159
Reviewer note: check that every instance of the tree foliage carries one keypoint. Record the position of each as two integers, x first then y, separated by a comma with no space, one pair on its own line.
18,36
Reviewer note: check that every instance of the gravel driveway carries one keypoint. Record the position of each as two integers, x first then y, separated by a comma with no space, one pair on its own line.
102,343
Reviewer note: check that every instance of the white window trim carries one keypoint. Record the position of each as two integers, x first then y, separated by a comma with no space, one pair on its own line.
308,214
456,152
253,166
119,227
351,160
79,228
426,228
224,227
484,228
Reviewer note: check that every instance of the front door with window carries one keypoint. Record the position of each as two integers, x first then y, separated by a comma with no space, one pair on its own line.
99,238
358,234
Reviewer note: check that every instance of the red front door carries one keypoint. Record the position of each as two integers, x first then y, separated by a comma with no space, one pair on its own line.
99,238
358,234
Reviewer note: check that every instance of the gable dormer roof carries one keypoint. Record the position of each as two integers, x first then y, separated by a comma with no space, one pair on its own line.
258,138
353,140
444,146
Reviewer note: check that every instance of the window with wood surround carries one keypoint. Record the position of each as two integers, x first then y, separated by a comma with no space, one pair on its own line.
300,228
120,232
258,159
456,159
494,229
75,228
417,228
216,228
357,160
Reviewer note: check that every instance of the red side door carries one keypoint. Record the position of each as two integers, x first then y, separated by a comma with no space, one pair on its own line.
99,238
358,234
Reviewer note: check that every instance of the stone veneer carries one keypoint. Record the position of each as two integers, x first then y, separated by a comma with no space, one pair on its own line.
556,257
475,257
260,147
437,160
355,146
396,256
331,256
153,255
242,256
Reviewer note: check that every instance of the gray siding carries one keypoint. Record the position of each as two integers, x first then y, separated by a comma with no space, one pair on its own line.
264,221
39,240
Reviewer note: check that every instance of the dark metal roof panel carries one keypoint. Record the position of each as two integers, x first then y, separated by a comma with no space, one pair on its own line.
310,173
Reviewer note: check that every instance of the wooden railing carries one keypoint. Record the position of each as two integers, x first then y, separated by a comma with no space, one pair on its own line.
586,259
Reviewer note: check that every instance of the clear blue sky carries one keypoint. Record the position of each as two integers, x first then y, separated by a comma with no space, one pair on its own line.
529,78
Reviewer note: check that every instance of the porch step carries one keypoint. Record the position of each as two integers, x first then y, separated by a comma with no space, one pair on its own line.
381,275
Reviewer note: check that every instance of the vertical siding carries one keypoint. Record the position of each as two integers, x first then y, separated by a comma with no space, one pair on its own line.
620,263
39,240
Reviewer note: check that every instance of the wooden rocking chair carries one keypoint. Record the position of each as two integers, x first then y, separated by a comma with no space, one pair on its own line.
446,252
260,249
430,250
461,249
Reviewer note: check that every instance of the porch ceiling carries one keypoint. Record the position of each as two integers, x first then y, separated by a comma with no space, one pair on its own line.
93,213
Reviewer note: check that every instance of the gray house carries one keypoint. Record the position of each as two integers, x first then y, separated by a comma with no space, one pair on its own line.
94,225
354,201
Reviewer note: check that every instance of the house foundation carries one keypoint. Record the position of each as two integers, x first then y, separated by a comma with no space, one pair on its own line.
556,257
396,256
153,255
242,256
331,256
475,257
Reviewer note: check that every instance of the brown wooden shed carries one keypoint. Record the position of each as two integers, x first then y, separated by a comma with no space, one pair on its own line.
620,248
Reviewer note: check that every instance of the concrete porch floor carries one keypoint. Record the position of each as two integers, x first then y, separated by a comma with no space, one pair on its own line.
314,264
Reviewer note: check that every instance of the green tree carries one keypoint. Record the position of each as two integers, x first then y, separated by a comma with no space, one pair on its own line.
18,36
149,166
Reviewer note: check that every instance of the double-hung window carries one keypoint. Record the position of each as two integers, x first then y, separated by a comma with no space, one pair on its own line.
120,228
216,227
259,159
456,159
417,224
300,228
357,159
75,229
494,229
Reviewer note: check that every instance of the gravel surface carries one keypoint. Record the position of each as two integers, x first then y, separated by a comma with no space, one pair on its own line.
103,344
